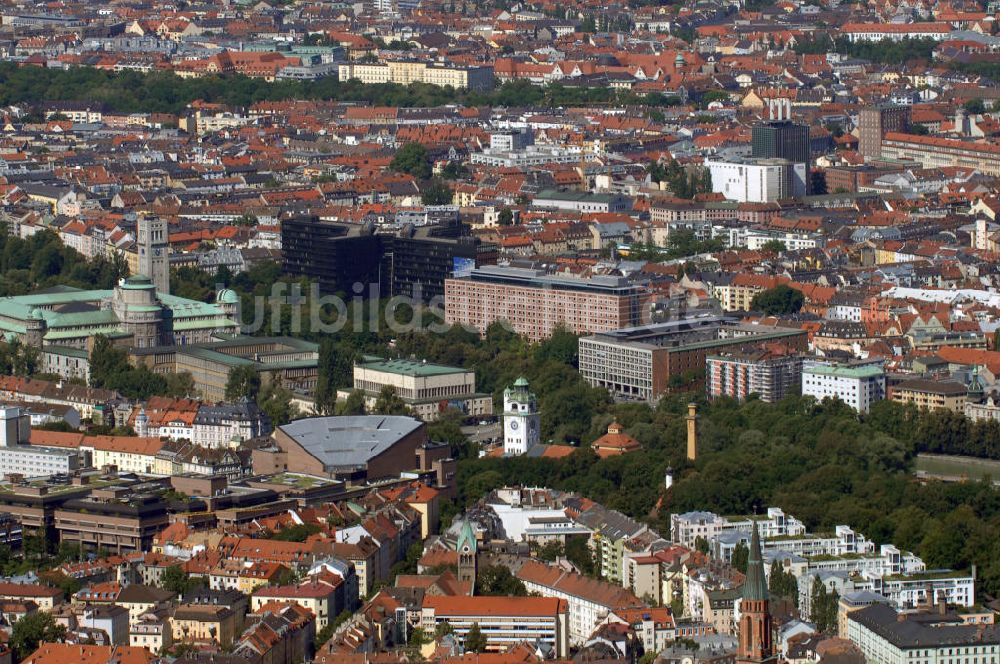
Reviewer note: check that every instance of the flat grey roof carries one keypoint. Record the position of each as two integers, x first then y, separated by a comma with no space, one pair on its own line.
540,278
351,440
924,630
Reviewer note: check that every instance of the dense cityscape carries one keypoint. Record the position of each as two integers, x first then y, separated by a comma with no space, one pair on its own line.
473,332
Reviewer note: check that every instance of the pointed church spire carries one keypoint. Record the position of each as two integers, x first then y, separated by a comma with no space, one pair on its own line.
755,586
466,538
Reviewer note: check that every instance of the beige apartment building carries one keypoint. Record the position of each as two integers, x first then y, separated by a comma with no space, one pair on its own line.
204,623
931,394
935,152
405,72
427,389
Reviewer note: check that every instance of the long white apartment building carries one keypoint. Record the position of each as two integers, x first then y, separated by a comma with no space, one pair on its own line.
685,529
755,238
843,541
504,621
405,72
846,558
925,588
899,576
17,457
888,637
532,155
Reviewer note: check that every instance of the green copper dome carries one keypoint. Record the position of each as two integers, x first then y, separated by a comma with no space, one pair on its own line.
227,296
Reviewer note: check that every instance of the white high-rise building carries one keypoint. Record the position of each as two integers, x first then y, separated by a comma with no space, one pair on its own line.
758,180
154,252
857,385
17,457
521,422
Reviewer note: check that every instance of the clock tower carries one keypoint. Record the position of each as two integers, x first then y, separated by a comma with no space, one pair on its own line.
154,251
521,425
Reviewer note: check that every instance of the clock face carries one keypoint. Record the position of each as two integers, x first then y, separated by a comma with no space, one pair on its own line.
513,425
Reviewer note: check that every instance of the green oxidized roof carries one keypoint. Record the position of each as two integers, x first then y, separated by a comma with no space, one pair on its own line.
864,371
137,281
466,537
100,317
197,324
519,391
186,314
405,367
76,333
976,385
755,586
227,296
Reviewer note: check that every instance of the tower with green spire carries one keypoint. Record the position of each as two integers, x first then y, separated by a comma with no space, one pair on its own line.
521,420
976,390
466,547
756,629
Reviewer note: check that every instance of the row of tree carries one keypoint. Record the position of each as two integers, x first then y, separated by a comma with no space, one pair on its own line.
681,244
42,261
110,369
683,182
165,92
886,51
936,431
782,299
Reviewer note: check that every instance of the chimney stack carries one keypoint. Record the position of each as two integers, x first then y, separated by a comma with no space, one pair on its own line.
692,430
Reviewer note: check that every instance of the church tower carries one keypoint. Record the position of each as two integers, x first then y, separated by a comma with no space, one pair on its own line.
466,547
756,634
521,422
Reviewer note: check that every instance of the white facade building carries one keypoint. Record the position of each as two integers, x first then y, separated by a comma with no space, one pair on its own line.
844,541
758,180
424,387
17,457
888,638
517,519
686,528
589,601
899,576
532,155
858,386
755,238
849,311
31,461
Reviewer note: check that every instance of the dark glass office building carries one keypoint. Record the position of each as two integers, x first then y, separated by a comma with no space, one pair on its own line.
410,261
418,260
335,255
781,139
